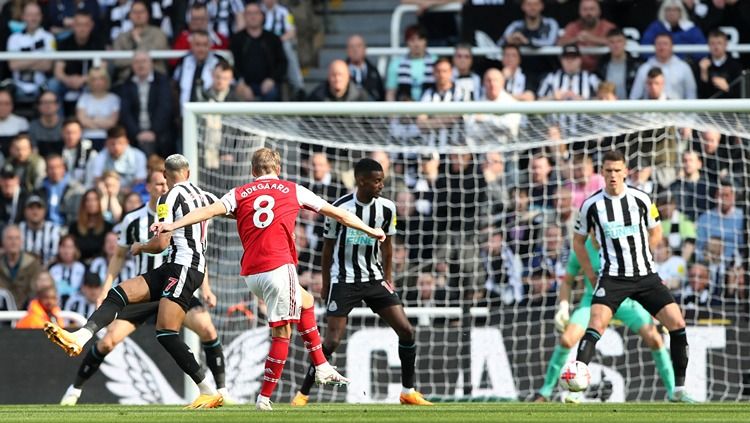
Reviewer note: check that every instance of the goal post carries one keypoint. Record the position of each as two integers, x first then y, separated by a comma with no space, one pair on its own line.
483,236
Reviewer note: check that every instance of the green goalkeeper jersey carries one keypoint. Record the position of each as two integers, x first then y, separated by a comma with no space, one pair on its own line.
574,268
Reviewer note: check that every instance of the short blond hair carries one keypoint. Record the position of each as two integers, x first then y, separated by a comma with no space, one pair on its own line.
266,161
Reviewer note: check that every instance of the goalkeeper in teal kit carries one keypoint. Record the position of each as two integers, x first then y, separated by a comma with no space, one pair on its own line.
630,313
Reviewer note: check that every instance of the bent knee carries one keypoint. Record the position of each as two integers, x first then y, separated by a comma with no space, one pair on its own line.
406,333
106,345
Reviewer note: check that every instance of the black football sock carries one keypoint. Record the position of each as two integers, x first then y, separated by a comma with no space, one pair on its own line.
116,300
678,349
587,346
310,374
407,352
215,361
89,366
181,354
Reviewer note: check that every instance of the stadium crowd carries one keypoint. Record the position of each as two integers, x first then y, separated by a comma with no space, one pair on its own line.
78,139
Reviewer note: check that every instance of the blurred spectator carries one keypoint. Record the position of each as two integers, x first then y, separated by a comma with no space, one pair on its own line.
539,288
709,14
83,302
392,182
517,83
490,126
726,273
128,161
260,62
639,176
99,265
429,292
132,202
678,76
565,11
585,180
619,66
571,82
411,75
61,191
493,170
534,30
18,269
40,236
222,90
504,284
424,187
489,17
674,20
142,36
726,222
72,74
699,291
67,271
60,15
42,309
655,85
441,27
194,73
339,86
28,165
323,181
146,107
519,222
631,13
442,129
90,228
564,214
606,91
589,30
677,228
45,131
10,123
224,16
543,187
550,255
30,75
463,76
98,109
672,268
78,153
280,22
362,71
12,196
692,190
198,20
717,72
110,188
720,160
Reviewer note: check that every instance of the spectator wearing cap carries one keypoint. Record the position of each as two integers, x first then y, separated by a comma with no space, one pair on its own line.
717,72
677,228
362,71
142,36
40,236
83,301
618,66
10,124
12,197
45,130
589,30
78,153
571,82
42,309
121,157
674,20
726,221
678,77
18,269
339,86
26,163
409,76
60,191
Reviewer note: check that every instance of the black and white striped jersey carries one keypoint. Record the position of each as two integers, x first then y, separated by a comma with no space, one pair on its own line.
583,83
188,245
79,304
68,277
621,225
100,264
455,93
356,256
135,228
41,242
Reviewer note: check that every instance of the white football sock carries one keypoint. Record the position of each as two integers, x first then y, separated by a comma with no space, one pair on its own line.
205,388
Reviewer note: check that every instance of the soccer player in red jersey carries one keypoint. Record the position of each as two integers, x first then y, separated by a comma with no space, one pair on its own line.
266,212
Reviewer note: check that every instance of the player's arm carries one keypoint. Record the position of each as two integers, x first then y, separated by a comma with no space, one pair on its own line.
654,226
113,269
350,220
579,246
155,245
326,260
207,294
386,250
196,216
562,315
654,236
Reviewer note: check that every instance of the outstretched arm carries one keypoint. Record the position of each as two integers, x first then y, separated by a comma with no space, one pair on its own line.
351,220
195,216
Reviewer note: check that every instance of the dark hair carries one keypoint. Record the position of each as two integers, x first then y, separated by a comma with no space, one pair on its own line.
83,12
143,3
654,72
613,156
465,46
223,65
615,32
198,5
116,131
413,30
718,33
91,279
366,166
200,32
443,60
41,94
71,121
663,34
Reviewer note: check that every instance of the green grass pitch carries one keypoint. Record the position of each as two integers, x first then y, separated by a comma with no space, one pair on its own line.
347,413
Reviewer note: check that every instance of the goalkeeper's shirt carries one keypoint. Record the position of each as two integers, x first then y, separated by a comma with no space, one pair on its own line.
574,268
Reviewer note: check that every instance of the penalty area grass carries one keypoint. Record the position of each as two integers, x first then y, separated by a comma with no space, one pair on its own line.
327,413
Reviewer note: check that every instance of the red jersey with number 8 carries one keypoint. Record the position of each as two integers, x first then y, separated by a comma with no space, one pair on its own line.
266,211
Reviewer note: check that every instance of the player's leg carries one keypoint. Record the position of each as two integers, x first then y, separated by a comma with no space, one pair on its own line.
199,321
335,331
609,293
637,319
573,333
134,290
117,331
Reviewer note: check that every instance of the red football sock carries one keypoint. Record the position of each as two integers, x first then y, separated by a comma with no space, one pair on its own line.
274,365
308,328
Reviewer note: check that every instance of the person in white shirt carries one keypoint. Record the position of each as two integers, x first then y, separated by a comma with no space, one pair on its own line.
29,75
679,79
128,161
672,269
494,126
10,124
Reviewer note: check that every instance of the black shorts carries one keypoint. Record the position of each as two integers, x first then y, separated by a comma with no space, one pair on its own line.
138,314
649,291
345,296
174,282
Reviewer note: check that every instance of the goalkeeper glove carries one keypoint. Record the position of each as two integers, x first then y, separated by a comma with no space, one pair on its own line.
562,316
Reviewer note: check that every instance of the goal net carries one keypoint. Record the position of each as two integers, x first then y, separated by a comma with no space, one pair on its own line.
486,203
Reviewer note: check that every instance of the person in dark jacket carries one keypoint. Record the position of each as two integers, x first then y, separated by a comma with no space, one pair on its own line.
339,86
362,71
618,67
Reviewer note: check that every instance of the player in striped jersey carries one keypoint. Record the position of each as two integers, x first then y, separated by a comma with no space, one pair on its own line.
626,224
356,269
40,236
172,284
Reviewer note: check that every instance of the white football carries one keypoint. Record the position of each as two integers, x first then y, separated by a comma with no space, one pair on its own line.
575,376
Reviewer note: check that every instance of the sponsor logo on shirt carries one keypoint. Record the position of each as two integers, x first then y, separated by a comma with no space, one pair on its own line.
614,230
356,237
162,211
